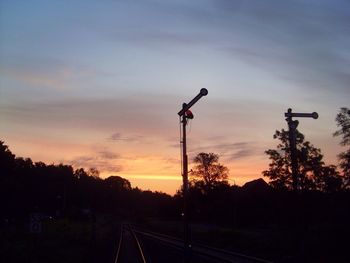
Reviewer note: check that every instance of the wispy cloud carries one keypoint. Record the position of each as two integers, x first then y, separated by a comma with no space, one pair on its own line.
105,115
104,161
240,154
303,42
108,155
166,38
130,138
230,151
44,72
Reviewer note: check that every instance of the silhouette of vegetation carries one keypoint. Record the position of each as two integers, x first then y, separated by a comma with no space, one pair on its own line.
254,219
77,210
312,172
343,121
208,173
61,190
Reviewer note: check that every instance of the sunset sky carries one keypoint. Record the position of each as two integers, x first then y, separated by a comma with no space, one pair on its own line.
99,83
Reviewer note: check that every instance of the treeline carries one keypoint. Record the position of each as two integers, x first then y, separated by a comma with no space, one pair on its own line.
59,190
258,204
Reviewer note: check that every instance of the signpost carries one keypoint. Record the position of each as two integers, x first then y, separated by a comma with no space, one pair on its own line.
292,126
185,114
35,226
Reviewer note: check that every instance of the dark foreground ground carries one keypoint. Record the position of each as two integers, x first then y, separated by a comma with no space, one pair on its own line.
61,240
313,243
76,240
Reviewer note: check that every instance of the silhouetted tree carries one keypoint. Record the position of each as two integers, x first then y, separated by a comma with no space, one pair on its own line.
94,173
329,180
312,172
117,183
7,160
23,165
80,173
208,172
343,121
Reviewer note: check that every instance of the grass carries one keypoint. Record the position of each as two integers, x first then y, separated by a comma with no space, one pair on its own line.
61,240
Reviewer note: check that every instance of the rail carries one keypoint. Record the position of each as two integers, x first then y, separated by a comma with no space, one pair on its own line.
123,229
204,250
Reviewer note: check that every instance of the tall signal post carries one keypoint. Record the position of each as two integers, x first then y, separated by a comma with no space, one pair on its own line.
184,115
292,126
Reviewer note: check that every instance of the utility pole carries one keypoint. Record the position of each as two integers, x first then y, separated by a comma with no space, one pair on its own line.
292,126
183,113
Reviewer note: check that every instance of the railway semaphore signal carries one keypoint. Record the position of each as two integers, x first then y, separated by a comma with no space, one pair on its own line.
186,114
292,126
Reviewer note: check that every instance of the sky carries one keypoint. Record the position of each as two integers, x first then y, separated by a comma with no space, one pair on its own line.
99,83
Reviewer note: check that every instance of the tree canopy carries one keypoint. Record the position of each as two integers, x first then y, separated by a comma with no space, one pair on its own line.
208,172
313,174
343,121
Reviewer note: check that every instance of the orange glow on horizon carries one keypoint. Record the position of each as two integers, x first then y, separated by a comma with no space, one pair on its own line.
155,172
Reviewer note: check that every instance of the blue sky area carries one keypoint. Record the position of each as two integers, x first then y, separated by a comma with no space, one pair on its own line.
99,83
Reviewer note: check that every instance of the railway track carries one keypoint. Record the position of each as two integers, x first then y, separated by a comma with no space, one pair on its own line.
169,249
129,247
212,254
